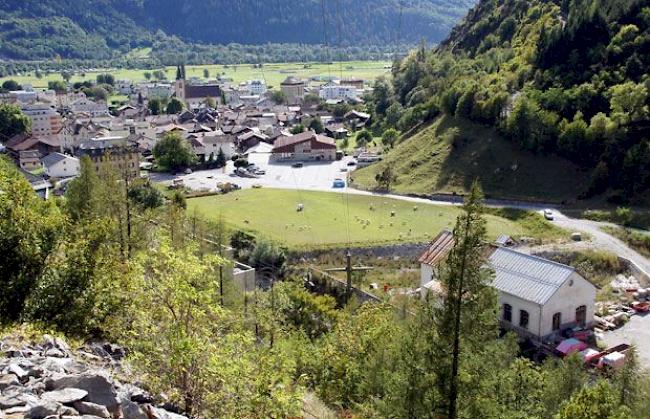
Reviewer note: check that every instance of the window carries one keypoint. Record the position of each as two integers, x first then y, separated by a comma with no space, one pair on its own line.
581,316
557,321
523,319
507,312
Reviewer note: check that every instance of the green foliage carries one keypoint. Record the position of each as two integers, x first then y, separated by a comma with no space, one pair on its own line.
268,259
13,121
106,79
278,97
364,137
172,152
389,137
385,179
155,106
597,402
221,158
297,129
29,232
10,85
145,195
57,85
316,125
174,106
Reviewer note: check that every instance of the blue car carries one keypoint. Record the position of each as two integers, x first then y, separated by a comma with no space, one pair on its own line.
338,183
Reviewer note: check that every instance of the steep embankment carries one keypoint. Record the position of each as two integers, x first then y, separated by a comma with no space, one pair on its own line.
448,155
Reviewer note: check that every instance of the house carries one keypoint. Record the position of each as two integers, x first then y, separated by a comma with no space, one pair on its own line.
59,165
128,111
218,140
29,160
87,106
538,298
336,131
46,122
293,89
353,82
250,139
43,146
256,87
333,91
304,147
356,118
121,157
39,184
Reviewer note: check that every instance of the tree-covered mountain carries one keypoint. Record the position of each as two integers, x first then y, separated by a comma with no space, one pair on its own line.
99,29
565,78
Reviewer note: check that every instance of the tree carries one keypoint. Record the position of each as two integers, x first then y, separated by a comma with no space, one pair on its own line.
628,101
297,129
154,106
82,200
66,75
13,121
11,85
179,73
316,125
241,162
278,97
385,178
242,243
172,152
145,195
106,79
57,85
206,73
389,137
159,75
147,75
595,402
174,106
467,315
268,258
221,158
364,137
29,232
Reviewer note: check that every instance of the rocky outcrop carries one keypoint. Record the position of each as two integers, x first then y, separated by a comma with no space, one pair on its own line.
48,380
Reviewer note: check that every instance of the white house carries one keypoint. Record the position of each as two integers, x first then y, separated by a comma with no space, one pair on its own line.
85,105
59,165
256,87
538,298
46,122
334,91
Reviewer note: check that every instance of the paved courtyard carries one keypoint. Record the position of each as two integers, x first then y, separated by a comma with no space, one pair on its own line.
635,332
312,176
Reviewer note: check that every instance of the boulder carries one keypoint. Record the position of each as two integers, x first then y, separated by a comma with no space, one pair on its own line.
158,413
43,409
87,408
65,395
7,380
16,370
99,387
131,410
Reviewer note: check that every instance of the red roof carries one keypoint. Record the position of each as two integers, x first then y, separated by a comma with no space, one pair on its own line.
439,248
286,144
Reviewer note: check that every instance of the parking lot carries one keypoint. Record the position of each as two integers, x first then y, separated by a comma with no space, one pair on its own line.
635,332
313,175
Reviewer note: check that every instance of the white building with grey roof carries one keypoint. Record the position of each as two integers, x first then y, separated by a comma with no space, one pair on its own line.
538,298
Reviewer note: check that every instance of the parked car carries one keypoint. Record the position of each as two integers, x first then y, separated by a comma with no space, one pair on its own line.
352,163
188,171
260,172
344,169
297,165
338,183
257,186
548,214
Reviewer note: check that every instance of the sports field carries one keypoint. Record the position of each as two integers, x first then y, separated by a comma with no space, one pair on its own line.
334,219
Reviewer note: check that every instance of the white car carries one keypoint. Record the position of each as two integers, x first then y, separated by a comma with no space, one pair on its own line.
548,214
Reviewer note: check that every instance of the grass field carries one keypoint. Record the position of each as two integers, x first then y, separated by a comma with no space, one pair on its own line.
448,155
331,219
272,73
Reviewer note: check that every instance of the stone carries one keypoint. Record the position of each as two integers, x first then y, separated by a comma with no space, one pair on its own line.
99,387
157,413
135,394
131,410
7,402
87,408
16,370
43,409
65,395
7,380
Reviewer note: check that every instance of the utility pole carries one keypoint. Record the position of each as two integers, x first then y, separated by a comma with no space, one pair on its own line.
348,271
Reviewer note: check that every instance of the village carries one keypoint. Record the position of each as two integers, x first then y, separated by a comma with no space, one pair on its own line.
299,137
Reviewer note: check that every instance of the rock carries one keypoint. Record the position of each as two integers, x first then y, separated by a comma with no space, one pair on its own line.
43,409
100,389
7,402
16,370
7,380
135,394
157,413
92,409
65,396
131,410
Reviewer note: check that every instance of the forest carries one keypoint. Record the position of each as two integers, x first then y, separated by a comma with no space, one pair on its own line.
556,78
100,29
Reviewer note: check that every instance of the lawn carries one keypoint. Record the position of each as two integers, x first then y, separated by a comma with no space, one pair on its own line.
449,155
272,73
335,219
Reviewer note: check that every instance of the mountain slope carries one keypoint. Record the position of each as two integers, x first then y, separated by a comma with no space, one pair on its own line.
63,27
563,78
448,155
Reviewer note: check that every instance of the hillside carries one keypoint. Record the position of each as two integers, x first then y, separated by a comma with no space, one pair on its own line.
98,29
448,155
555,78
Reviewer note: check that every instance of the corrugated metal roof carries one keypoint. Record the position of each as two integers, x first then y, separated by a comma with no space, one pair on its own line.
439,248
528,277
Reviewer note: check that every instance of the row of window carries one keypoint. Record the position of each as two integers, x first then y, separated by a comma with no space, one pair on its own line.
580,317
